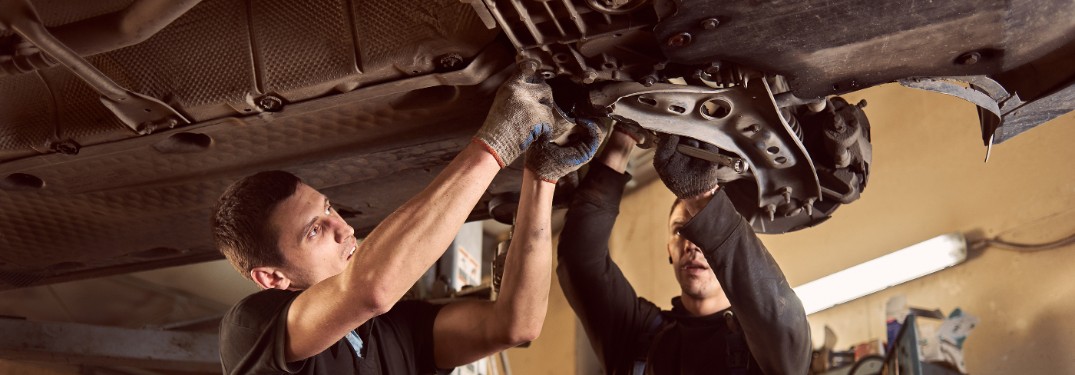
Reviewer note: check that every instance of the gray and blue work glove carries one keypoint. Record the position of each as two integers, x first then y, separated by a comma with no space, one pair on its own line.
523,105
551,160
686,176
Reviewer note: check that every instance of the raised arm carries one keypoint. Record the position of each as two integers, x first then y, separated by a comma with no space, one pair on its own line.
399,250
605,302
467,331
770,314
768,310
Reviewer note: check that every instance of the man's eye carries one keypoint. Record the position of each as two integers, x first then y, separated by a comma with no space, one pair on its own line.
328,210
314,231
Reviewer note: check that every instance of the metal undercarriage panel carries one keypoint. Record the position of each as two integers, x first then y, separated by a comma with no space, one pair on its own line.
121,121
116,202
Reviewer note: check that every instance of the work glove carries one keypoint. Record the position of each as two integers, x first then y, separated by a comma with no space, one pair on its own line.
551,161
685,176
523,104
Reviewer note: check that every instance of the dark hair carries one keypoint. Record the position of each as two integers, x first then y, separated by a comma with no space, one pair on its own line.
240,220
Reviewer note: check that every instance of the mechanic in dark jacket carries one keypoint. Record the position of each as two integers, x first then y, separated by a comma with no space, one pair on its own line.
736,313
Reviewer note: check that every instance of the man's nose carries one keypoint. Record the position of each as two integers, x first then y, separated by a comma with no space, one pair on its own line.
342,230
690,247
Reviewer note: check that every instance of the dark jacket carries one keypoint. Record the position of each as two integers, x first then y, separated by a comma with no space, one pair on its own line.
626,330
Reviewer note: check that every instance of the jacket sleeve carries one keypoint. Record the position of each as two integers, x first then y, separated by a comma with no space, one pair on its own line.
601,296
771,315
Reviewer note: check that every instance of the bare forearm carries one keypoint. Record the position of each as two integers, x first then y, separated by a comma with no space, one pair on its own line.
617,151
393,256
409,240
523,301
468,330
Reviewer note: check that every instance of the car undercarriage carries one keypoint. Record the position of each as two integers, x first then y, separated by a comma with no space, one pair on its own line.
122,121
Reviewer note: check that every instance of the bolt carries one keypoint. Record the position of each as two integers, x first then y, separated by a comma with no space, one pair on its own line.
710,23
861,104
818,106
739,166
450,61
147,127
969,58
786,192
771,210
529,66
713,68
809,207
589,77
680,40
66,147
270,103
648,80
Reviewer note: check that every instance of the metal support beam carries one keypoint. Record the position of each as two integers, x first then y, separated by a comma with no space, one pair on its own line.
82,344
143,114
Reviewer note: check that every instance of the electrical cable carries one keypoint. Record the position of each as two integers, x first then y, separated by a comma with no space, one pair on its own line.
1025,247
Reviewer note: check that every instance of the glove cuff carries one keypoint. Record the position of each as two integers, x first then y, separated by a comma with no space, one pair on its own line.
490,149
686,185
693,191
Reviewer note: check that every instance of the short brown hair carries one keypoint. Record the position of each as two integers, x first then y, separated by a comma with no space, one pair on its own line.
240,221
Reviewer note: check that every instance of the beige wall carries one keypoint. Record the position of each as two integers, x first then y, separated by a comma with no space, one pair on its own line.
928,178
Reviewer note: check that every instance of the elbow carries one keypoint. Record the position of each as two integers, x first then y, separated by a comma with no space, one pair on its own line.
379,302
799,341
516,332
516,336
376,299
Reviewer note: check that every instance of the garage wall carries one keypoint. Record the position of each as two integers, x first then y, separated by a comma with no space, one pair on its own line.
1026,193
928,178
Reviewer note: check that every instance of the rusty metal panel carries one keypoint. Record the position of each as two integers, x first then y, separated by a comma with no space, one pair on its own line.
829,47
411,35
59,12
27,129
299,45
201,62
77,112
126,203
136,204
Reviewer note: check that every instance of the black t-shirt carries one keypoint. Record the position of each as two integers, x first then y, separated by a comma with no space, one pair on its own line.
253,333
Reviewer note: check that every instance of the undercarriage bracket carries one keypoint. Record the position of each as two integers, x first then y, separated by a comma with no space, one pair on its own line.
741,120
141,113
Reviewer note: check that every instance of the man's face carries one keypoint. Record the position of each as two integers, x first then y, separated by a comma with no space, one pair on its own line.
696,279
315,241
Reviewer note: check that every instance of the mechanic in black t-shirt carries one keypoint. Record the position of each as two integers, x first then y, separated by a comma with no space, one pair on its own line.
736,313
330,303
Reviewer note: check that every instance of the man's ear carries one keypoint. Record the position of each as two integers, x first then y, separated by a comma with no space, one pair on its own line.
269,278
669,249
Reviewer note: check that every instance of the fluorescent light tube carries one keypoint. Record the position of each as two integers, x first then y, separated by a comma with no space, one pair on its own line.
889,270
